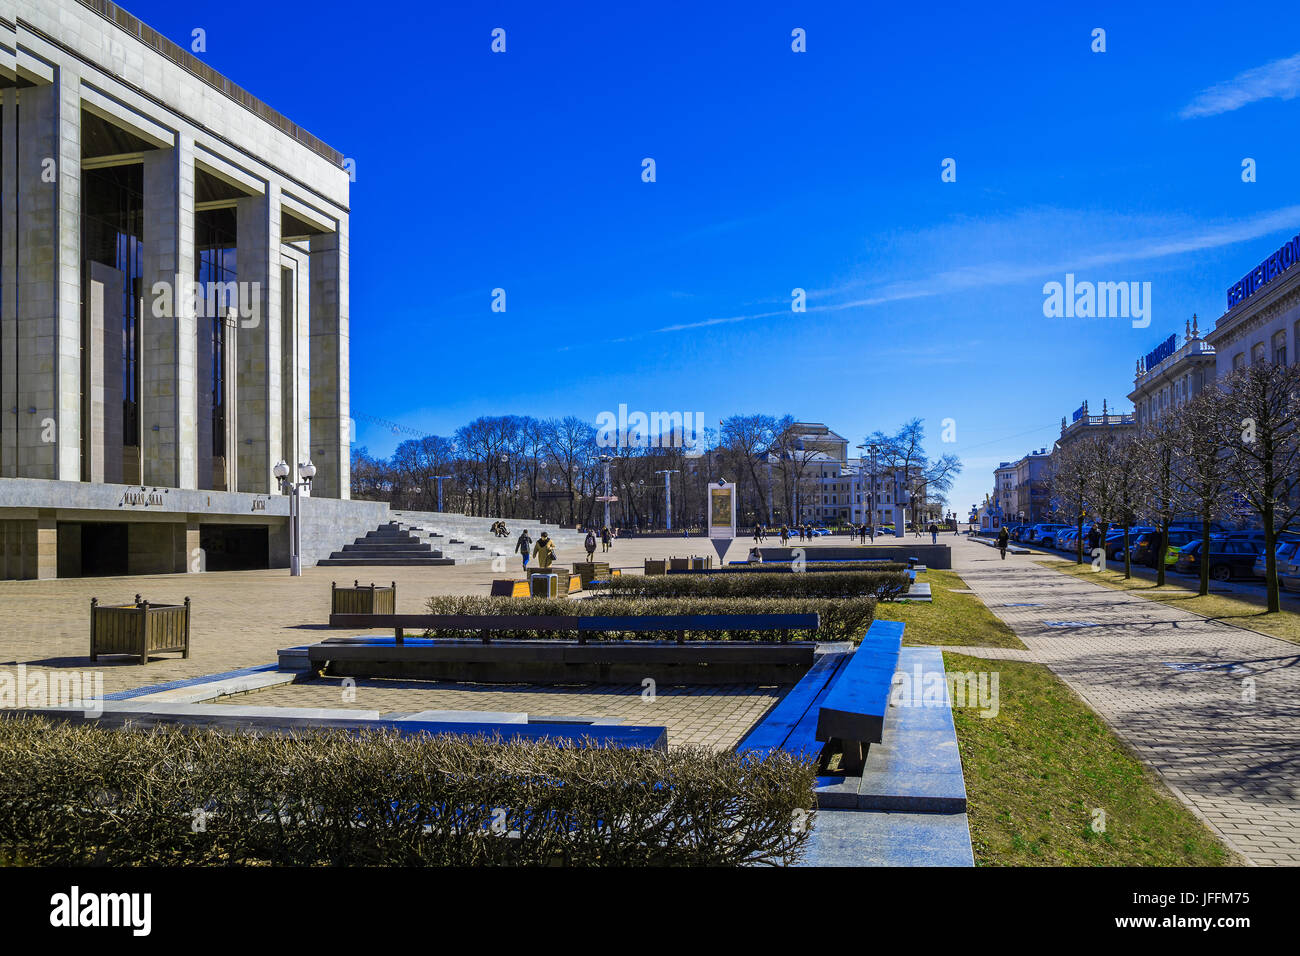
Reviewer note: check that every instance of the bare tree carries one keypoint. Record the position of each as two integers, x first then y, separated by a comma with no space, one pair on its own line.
1127,465
1202,467
1259,418
1161,491
1068,483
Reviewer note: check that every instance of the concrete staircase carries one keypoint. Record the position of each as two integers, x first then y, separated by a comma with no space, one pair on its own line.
433,539
390,545
467,539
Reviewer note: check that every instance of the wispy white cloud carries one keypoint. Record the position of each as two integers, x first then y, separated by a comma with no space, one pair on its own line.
1039,229
1279,79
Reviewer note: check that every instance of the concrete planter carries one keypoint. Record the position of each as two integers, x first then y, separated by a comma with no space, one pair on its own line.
139,629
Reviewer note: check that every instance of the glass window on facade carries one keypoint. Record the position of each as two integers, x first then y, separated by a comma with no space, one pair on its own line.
214,243
112,231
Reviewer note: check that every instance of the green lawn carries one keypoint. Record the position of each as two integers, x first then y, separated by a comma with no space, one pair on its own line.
1038,772
951,618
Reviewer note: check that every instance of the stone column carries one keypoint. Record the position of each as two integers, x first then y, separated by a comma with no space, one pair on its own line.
48,259
9,418
47,545
230,367
203,402
102,419
329,363
193,556
257,235
169,403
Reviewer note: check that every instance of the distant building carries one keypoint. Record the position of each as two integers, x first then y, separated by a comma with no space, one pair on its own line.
1086,424
1031,499
1168,376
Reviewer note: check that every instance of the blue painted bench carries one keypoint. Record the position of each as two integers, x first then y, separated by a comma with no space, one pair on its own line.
853,711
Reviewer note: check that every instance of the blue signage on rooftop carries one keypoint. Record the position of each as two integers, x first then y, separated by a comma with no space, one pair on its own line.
1264,273
1161,352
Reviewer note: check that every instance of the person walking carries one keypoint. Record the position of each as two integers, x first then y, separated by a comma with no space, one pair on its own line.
934,533
590,545
605,538
1002,542
544,551
1094,541
524,546
785,536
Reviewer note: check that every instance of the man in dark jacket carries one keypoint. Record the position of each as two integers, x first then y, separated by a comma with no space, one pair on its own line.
1003,537
1094,540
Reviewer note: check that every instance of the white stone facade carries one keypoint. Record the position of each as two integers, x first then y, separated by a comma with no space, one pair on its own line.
85,89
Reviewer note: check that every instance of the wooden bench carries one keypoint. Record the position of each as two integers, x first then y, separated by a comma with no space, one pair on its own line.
853,710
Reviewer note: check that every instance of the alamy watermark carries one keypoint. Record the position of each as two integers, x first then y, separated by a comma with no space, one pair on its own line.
209,299
1099,300
649,430
22,689
922,688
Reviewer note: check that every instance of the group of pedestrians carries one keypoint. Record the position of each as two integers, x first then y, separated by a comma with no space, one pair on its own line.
543,550
606,542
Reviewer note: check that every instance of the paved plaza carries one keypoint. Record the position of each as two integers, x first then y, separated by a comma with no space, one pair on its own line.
1210,706
241,618
711,716
1172,684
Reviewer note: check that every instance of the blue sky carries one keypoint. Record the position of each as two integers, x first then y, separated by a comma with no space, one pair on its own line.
777,170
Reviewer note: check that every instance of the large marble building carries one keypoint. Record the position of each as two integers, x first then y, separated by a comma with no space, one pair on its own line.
173,303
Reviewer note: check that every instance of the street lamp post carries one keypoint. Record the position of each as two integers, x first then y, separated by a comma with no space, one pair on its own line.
606,460
306,472
440,479
668,494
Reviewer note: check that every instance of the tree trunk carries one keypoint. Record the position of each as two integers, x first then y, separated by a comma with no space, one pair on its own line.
1205,556
1270,558
1164,549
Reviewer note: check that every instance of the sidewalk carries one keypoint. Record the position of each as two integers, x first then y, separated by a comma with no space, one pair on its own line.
1175,686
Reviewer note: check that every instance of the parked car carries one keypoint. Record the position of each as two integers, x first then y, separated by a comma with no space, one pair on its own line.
1194,526
1045,534
1148,543
1288,562
1064,541
1115,541
1228,558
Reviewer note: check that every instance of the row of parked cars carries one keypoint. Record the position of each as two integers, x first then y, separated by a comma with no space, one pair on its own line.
1233,554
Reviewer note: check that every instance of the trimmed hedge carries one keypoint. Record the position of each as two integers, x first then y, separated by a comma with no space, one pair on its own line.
842,619
785,567
883,585
73,795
